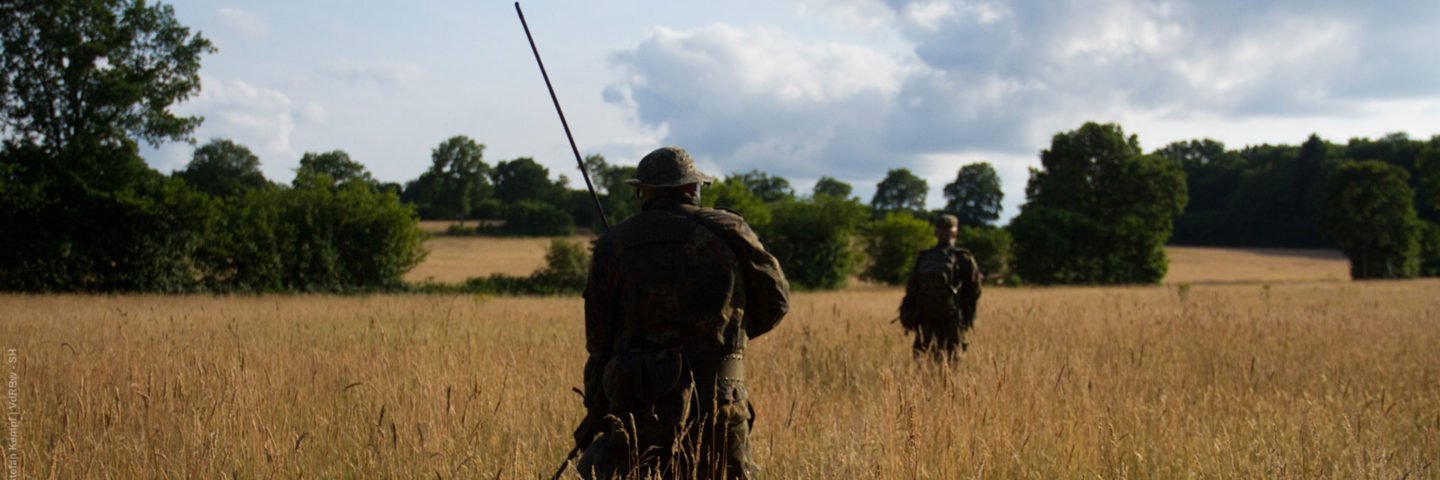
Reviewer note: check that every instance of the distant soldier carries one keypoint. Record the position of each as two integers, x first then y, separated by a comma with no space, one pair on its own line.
940,298
674,294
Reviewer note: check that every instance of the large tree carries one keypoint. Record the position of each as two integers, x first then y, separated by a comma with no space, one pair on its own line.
523,179
334,167
900,191
81,76
82,82
458,178
1098,211
619,199
1428,167
767,188
829,186
1369,211
224,169
974,197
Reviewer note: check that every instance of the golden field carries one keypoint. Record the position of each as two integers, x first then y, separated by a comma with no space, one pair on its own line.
1296,379
455,258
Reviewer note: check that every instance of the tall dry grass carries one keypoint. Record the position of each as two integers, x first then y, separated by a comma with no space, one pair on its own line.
1320,380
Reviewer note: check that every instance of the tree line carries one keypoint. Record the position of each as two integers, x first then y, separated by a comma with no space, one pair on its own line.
84,81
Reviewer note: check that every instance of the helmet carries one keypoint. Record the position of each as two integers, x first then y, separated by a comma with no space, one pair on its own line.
667,167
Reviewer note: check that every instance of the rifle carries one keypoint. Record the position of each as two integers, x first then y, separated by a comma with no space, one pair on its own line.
566,464
584,172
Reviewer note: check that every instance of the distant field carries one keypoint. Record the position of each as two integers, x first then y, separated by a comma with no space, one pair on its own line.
1222,265
453,259
1290,380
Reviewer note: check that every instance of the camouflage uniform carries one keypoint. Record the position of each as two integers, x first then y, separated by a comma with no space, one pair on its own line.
674,294
940,328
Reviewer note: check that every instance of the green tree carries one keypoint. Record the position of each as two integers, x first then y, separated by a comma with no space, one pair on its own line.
892,244
733,194
617,197
974,197
1212,176
899,191
79,76
1428,165
523,179
992,248
812,239
765,187
831,187
1369,211
533,218
1429,249
81,82
1098,211
224,169
458,178
331,168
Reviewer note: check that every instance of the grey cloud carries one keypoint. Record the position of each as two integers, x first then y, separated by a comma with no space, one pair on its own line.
756,98
1003,76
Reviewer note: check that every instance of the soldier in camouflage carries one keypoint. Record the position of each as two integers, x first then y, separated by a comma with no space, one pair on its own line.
941,296
674,294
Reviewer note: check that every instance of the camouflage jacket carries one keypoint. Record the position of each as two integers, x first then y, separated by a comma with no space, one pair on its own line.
677,275
965,281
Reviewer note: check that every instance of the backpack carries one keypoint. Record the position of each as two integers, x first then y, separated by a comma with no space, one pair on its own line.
932,287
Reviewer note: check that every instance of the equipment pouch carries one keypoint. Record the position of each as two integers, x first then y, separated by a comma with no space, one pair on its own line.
638,379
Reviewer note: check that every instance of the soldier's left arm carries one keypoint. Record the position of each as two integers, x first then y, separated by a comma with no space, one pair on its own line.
969,293
599,339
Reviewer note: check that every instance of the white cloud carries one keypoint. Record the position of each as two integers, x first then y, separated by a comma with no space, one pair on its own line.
928,15
385,74
245,23
866,15
263,119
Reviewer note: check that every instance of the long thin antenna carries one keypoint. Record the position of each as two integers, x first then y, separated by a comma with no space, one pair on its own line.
584,172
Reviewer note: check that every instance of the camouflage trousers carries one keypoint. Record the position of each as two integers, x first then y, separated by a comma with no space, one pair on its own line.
940,342
707,440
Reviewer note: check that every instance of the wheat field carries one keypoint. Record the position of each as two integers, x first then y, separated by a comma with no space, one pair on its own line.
1207,380
1286,380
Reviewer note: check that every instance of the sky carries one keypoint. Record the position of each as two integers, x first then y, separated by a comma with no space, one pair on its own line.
801,88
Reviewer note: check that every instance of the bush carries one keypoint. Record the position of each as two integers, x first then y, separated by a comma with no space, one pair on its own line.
68,232
892,243
811,238
733,194
566,266
1055,246
991,247
531,218
315,238
1368,208
1429,249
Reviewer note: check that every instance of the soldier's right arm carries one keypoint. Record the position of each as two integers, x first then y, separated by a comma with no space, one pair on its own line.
767,293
